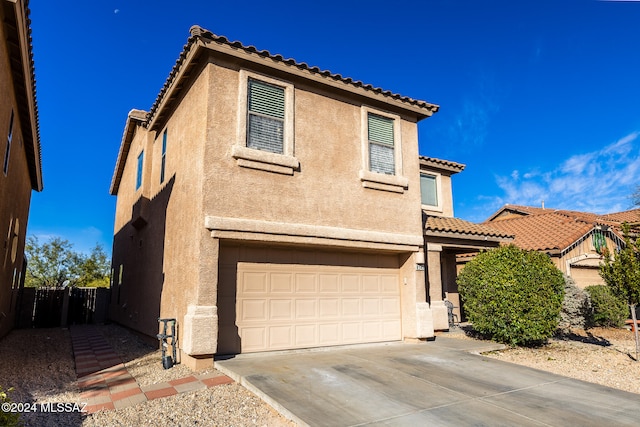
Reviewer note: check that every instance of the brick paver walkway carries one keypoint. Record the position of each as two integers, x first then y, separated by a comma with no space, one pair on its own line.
105,382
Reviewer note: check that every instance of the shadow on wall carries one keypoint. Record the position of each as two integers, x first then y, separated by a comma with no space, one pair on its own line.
138,259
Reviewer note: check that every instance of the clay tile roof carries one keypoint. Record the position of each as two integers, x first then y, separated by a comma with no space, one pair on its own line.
631,216
547,231
432,162
206,36
17,25
437,224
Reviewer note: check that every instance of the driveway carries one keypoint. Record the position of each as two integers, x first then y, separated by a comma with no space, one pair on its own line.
437,383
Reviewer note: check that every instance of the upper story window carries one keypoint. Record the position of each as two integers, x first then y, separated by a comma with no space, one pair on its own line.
429,190
381,144
139,170
265,139
381,141
430,185
7,152
265,121
164,156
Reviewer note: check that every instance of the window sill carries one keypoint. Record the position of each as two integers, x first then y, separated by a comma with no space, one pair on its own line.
263,160
430,208
378,181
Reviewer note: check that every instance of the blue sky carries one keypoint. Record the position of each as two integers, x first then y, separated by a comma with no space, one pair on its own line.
540,99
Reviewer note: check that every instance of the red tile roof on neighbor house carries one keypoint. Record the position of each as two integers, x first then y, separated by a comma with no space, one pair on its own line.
549,231
436,225
554,229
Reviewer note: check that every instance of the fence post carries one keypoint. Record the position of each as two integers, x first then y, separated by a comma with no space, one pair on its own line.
64,316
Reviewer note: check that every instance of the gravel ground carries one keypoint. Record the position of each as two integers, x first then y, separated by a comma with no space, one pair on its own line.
38,364
603,356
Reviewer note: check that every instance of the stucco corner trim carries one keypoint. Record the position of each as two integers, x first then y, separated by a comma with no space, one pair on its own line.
263,160
200,330
378,181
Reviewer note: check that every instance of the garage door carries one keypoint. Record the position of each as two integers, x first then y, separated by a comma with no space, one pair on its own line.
284,306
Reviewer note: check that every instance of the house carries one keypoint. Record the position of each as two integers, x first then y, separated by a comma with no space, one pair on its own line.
19,150
574,240
447,237
267,205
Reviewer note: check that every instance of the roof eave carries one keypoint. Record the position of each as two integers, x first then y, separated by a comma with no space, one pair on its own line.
134,119
468,236
17,24
201,38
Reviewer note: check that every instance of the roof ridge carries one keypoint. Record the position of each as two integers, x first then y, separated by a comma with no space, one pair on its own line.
197,32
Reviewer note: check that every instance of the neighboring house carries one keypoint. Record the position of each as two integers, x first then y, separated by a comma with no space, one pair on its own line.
447,237
574,240
270,205
20,170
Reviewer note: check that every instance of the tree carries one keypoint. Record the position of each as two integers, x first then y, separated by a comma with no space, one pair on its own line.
622,274
512,295
55,264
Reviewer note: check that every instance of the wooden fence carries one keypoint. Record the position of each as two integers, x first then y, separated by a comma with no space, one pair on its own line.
49,308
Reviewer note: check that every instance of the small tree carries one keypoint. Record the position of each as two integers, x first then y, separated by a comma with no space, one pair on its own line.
622,274
512,295
55,264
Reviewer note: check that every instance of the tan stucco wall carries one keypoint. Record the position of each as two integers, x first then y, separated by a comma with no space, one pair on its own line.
327,190
172,262
15,197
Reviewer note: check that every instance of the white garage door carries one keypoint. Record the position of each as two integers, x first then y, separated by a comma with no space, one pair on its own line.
284,306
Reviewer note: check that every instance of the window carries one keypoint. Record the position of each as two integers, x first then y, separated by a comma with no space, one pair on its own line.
265,120
429,190
5,166
139,170
381,144
164,155
265,124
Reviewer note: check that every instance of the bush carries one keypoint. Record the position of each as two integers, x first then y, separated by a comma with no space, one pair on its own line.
511,295
608,309
8,419
576,306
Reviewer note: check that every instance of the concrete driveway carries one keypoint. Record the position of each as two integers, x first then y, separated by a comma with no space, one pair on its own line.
438,383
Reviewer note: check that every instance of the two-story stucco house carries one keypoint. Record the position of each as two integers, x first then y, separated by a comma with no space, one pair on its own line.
20,170
270,205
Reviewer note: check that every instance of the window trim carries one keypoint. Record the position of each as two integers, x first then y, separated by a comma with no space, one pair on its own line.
285,163
163,156
438,177
7,151
139,170
396,183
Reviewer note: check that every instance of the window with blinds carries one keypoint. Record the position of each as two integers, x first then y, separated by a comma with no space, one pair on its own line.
265,116
381,144
429,190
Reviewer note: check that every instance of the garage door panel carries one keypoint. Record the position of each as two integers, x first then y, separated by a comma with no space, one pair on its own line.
253,310
315,305
306,283
306,309
254,282
281,309
329,307
281,282
329,283
350,283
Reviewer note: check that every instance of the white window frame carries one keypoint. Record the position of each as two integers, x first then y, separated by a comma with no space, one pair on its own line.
397,183
438,177
285,163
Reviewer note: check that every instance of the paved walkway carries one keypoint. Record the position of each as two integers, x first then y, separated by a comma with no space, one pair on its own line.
105,382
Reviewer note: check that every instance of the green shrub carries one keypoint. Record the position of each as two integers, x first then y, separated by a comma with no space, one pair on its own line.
608,309
8,419
511,295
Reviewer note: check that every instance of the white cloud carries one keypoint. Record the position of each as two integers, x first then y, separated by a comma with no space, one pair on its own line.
600,181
